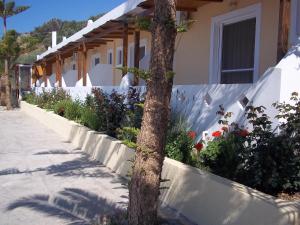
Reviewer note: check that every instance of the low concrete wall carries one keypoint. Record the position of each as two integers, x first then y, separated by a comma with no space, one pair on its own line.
201,197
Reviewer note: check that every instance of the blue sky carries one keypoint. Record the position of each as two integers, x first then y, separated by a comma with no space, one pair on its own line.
42,10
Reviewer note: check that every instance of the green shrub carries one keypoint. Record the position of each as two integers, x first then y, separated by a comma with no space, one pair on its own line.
128,135
31,98
223,155
89,118
73,110
47,100
180,142
261,159
60,107
115,112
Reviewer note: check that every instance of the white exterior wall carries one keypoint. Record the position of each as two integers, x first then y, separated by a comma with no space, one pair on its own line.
100,75
69,78
51,80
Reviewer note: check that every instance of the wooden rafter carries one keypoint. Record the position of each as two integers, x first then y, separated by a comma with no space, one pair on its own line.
182,5
283,28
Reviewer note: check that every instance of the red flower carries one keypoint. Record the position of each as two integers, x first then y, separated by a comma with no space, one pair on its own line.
243,133
199,146
217,134
192,134
225,129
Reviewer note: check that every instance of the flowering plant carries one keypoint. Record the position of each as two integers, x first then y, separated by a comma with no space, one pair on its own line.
217,134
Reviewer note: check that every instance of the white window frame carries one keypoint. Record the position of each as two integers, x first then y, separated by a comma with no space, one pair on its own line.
253,11
110,51
117,57
295,22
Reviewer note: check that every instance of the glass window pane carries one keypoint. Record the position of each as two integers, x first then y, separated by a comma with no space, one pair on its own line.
237,77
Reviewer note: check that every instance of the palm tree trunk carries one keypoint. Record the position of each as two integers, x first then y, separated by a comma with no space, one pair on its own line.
145,181
6,75
7,86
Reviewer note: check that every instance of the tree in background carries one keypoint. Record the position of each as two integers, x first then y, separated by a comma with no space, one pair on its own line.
9,52
8,9
144,186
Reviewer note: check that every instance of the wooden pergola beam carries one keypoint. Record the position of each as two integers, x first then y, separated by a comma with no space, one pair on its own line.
58,71
283,28
181,5
137,36
43,65
125,47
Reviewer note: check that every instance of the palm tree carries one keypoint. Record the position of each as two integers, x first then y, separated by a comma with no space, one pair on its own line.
8,9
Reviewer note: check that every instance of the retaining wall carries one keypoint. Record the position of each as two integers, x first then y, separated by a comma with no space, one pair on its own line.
201,197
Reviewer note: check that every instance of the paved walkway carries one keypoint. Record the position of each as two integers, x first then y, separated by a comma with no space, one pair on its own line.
44,181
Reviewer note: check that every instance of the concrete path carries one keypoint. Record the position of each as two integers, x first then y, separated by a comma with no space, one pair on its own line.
44,181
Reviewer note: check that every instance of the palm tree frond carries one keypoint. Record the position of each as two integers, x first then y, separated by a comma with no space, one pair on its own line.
1,8
20,9
16,11
9,7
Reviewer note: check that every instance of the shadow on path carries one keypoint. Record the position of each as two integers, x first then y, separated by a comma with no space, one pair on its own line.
80,166
77,206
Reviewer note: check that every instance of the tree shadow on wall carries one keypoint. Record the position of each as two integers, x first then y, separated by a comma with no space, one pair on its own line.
77,206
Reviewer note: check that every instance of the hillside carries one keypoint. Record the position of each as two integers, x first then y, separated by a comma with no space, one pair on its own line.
39,39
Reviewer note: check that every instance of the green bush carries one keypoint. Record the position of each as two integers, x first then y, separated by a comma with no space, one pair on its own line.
31,98
180,142
73,110
47,100
89,118
261,159
223,155
128,135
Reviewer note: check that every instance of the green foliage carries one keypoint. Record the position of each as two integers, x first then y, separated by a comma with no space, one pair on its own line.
223,155
115,112
261,159
129,136
90,119
39,39
9,47
144,23
47,100
179,144
31,98
68,109
10,9
143,74
131,123
179,147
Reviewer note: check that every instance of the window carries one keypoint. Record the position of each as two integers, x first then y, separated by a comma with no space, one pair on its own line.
119,56
110,57
235,37
238,43
97,61
142,52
